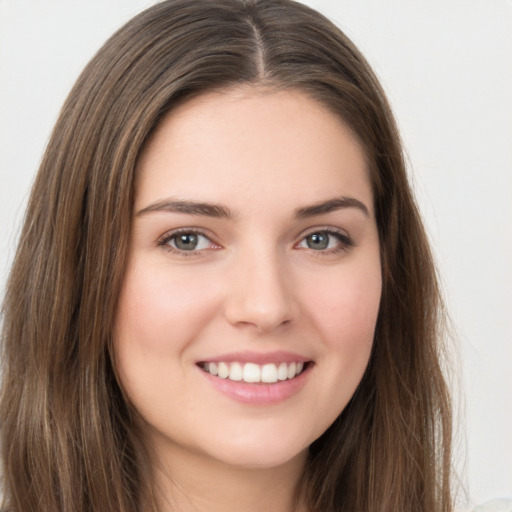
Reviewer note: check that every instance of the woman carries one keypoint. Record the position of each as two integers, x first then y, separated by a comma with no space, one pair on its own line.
223,296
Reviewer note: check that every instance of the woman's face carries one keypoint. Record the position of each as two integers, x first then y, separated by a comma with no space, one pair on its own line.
249,304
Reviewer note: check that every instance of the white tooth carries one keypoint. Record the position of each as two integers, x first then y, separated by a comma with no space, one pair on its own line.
269,373
212,368
223,370
282,371
235,372
291,370
300,367
251,373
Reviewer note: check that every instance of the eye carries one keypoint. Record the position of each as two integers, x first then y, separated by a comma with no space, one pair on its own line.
187,241
326,240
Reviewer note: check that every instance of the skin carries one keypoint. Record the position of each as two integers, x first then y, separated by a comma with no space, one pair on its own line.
254,283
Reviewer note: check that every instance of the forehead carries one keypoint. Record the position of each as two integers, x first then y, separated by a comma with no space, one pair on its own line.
252,146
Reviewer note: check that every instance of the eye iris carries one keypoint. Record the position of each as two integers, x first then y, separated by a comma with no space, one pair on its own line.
318,241
186,241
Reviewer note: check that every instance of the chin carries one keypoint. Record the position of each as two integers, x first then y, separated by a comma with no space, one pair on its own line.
259,454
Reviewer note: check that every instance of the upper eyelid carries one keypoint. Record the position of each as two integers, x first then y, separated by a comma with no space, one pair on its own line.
323,229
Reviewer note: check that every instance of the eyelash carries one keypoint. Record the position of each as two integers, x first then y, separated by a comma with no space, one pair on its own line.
345,241
165,239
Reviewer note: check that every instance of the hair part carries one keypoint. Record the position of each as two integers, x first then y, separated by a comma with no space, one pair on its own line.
69,437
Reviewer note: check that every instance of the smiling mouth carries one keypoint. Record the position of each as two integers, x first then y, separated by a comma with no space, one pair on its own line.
254,373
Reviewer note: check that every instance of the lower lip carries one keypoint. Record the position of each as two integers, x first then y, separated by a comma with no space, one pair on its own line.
259,393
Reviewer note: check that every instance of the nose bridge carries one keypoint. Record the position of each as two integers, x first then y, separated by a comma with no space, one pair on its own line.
260,293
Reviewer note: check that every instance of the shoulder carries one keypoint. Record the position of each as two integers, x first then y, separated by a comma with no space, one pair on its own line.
500,505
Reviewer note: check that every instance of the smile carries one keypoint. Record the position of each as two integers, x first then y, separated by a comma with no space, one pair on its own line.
254,373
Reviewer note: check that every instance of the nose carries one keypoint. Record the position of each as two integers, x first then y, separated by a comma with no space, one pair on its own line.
261,294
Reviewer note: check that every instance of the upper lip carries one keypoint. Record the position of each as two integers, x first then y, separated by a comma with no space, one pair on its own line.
279,356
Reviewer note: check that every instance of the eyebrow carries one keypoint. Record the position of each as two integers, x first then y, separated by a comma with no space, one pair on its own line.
331,205
222,211
190,208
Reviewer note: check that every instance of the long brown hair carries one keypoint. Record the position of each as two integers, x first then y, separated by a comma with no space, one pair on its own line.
68,436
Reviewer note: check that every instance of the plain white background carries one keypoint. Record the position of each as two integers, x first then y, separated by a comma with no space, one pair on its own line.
447,69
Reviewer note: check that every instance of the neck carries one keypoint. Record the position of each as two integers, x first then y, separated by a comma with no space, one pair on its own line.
193,483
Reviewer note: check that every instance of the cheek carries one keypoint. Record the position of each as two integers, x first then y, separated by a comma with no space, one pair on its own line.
345,308
157,306
158,318
343,312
